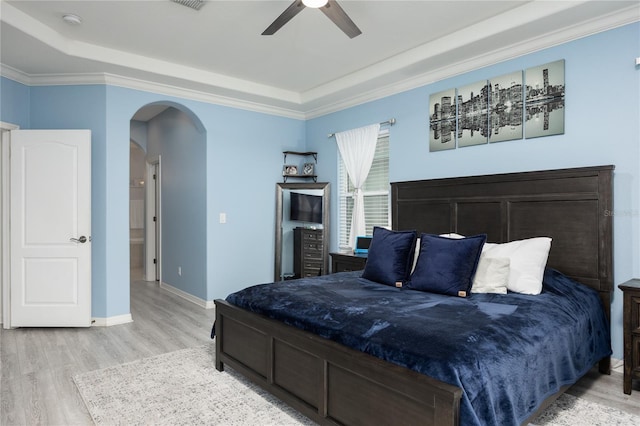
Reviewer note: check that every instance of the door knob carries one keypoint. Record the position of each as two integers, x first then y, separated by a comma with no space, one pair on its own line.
82,239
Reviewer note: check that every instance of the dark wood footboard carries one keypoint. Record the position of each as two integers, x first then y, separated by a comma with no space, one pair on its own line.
328,382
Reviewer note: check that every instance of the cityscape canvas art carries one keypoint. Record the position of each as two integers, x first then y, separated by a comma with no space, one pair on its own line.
503,108
473,109
442,120
544,100
506,105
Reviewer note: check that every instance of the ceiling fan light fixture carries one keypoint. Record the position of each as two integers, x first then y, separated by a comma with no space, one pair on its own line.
330,8
314,3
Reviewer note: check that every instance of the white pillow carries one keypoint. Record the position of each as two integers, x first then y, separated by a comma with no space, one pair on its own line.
492,275
415,254
453,236
527,258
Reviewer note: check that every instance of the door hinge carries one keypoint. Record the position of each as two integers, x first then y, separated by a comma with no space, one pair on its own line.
154,218
154,176
154,261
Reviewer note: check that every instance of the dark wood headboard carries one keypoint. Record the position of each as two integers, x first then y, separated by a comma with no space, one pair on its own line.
572,206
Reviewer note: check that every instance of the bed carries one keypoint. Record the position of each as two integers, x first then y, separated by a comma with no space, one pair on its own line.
334,384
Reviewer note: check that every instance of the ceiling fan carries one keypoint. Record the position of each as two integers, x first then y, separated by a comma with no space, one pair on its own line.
331,8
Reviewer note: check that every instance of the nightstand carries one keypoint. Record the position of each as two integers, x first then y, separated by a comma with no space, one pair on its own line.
631,324
345,262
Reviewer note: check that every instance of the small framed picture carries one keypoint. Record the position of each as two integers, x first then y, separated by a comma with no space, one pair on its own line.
308,169
289,170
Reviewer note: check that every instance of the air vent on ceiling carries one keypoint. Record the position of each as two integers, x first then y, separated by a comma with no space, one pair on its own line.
193,4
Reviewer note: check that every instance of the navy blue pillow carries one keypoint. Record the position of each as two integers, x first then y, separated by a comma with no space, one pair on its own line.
447,265
390,256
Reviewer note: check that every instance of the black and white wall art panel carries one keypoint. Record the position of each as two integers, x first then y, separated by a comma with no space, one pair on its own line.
473,109
544,100
506,107
442,120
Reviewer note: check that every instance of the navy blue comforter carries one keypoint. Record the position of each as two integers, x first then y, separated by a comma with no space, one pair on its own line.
507,352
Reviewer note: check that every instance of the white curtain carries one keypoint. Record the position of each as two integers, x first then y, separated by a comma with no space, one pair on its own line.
357,148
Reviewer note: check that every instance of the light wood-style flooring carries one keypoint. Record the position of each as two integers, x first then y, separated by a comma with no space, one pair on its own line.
37,364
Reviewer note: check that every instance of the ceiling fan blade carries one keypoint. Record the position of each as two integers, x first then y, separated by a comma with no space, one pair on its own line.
285,17
339,17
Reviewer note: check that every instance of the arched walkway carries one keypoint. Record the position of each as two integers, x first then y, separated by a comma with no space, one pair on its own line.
174,141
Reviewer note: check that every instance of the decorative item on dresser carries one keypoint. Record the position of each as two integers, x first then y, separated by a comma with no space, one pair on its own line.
308,169
346,262
289,170
631,323
308,254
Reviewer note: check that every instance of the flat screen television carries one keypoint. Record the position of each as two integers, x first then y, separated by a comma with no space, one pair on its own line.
305,207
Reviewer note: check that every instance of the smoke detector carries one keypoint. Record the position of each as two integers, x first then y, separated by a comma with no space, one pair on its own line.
72,19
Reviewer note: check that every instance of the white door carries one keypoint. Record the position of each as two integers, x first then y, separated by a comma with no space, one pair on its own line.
152,222
50,228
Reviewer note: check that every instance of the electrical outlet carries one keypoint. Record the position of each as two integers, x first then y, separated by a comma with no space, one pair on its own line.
223,218
180,270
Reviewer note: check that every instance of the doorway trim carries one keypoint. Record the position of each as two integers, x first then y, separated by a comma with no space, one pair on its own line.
5,225
153,229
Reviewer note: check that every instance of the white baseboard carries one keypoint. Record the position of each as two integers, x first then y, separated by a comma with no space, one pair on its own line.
109,321
207,304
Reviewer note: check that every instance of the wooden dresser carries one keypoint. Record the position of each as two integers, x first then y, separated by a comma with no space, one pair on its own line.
631,324
308,253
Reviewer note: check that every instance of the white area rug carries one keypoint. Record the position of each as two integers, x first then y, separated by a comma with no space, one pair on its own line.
568,410
184,388
179,388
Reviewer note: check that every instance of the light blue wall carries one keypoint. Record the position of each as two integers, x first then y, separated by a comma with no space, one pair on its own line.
138,132
181,143
14,103
243,163
244,166
602,126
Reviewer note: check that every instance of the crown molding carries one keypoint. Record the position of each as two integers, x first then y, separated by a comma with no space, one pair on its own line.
93,52
68,79
355,89
462,38
146,86
545,41
201,96
14,74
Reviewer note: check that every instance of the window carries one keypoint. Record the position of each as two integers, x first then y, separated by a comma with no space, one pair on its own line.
375,192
